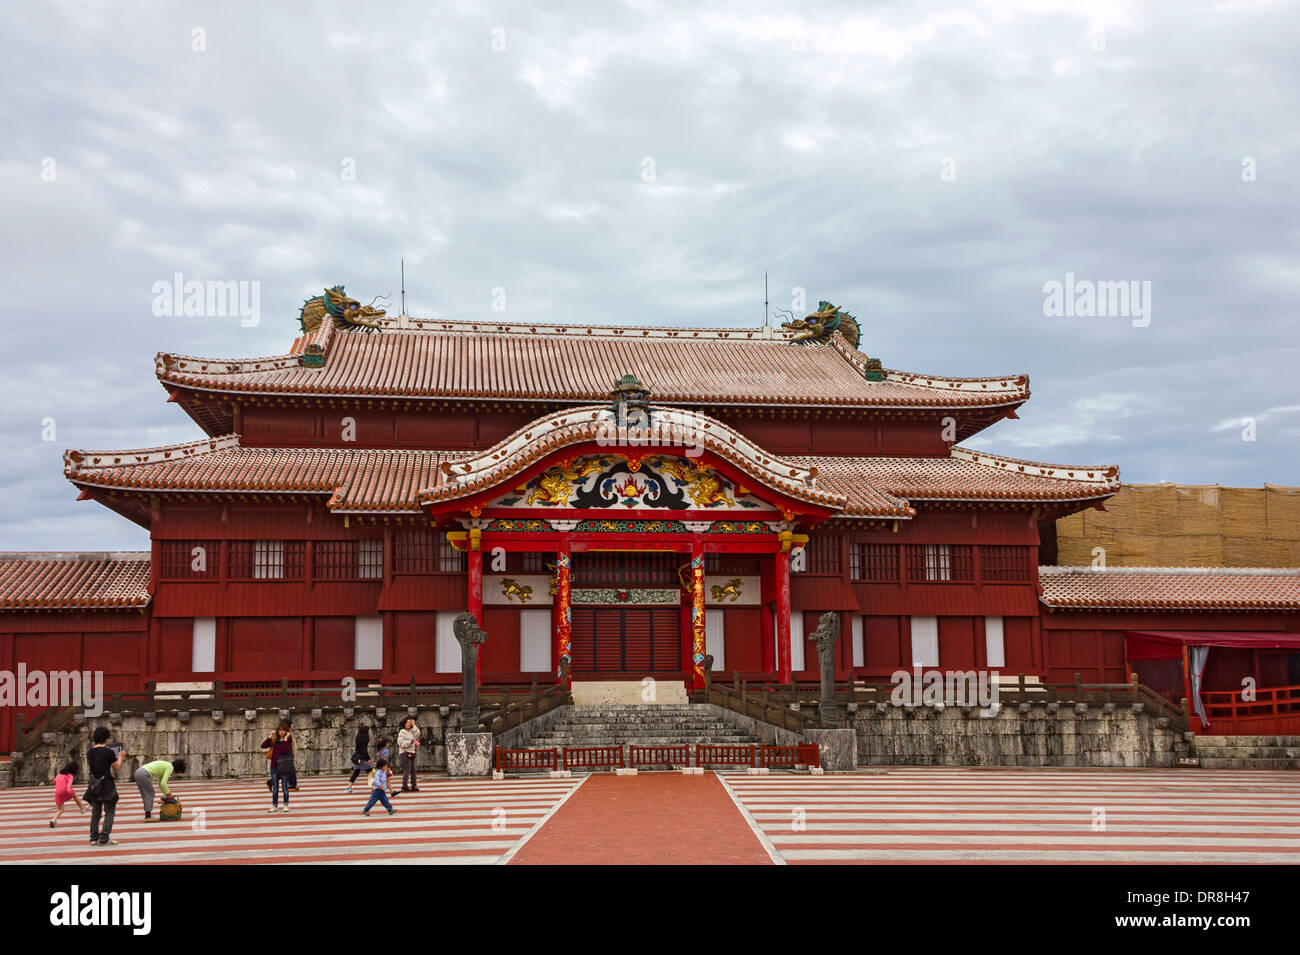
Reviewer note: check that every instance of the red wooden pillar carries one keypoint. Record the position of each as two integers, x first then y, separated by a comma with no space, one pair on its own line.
697,614
783,613
767,637
563,609
474,601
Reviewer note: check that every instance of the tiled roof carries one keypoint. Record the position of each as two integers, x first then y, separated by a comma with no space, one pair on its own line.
70,581
1171,588
398,480
581,363
965,475
356,479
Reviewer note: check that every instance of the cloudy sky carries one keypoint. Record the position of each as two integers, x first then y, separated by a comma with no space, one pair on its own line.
931,167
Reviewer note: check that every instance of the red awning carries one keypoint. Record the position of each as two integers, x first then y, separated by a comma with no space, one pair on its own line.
821,593
1168,644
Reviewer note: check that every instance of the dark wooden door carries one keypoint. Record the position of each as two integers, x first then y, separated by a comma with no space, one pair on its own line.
637,639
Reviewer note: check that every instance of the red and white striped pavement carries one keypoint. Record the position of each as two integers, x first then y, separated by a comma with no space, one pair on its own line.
895,815
480,821
1018,816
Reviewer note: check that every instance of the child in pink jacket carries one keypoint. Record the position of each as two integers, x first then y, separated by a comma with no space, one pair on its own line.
63,791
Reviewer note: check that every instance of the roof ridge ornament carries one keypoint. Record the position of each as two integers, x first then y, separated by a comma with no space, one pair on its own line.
821,327
344,311
631,403
818,326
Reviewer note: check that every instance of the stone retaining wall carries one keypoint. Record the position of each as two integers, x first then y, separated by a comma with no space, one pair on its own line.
228,747
900,736
1093,736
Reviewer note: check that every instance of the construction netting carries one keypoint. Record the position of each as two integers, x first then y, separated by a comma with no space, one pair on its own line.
1176,525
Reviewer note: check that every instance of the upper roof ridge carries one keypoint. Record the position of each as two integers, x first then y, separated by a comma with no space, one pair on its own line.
74,461
1094,473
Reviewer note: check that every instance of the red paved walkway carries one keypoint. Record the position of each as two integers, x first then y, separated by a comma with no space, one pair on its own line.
648,819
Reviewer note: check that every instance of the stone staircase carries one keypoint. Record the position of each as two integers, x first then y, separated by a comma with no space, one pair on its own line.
1247,752
646,724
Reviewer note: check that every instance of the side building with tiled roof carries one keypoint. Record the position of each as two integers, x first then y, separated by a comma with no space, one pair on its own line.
611,503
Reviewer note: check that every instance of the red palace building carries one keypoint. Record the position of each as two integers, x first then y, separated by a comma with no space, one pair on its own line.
614,502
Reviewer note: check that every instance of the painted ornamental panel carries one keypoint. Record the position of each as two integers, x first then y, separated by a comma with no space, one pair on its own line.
610,481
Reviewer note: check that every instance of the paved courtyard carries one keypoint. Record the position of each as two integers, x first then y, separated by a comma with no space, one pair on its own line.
897,815
447,822
1017,816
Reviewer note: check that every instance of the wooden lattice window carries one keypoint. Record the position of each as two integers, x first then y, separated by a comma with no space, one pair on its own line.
189,560
426,552
527,562
349,560
606,569
1003,563
824,554
733,564
267,560
415,552
876,562
940,563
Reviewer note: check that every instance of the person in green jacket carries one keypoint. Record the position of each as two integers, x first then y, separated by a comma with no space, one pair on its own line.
158,771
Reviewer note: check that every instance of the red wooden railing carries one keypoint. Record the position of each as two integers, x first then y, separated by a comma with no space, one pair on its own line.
593,757
810,754
659,755
802,754
521,760
1275,710
726,755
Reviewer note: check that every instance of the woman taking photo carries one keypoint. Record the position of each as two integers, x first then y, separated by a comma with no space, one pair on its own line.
281,754
408,744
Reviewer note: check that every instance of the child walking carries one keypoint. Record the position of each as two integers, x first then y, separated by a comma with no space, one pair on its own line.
383,752
63,791
381,787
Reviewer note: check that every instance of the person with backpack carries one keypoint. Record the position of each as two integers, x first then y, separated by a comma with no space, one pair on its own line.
408,744
63,791
381,787
360,755
158,771
281,756
101,792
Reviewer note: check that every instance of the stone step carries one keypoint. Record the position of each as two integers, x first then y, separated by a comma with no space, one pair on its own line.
623,743
625,692
1218,741
548,742
586,714
635,724
645,710
584,739
607,721
1247,752
1242,762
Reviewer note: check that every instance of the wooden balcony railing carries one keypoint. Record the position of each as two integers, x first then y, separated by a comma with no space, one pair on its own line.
1272,706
